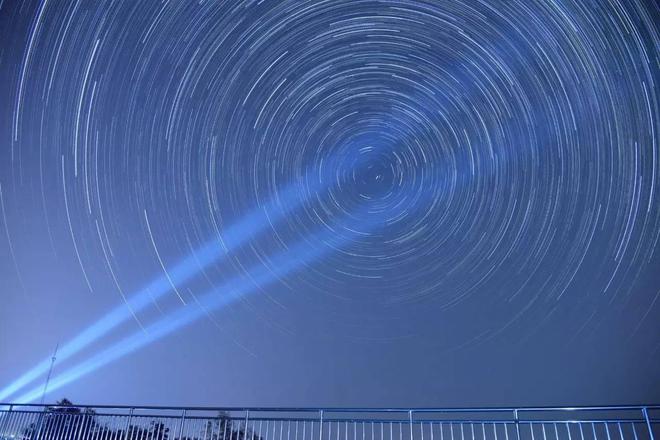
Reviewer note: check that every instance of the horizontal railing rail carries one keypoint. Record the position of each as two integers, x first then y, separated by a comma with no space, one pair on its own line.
123,422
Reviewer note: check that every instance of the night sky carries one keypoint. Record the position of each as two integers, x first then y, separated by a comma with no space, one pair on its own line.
330,203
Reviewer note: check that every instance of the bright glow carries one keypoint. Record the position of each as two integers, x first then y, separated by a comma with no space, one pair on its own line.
213,251
259,277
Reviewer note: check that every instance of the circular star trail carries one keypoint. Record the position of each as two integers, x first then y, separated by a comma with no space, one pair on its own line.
508,151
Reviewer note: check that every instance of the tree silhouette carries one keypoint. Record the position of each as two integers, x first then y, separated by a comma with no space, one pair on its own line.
62,419
66,421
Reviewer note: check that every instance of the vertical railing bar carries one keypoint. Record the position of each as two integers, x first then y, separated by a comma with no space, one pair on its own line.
634,430
13,424
6,418
36,425
63,426
645,412
116,421
16,424
207,425
247,418
410,420
620,430
26,421
30,424
83,428
321,425
90,425
185,426
210,423
8,423
93,430
517,421
20,428
80,424
69,426
58,423
156,430
102,425
70,430
183,420
75,426
51,425
128,422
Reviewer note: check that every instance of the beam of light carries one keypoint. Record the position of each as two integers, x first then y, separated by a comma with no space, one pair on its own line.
259,277
214,251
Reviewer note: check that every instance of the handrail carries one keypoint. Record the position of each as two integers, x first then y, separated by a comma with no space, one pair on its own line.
347,409
124,422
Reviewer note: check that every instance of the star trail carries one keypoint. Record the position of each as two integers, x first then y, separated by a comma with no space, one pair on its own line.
327,190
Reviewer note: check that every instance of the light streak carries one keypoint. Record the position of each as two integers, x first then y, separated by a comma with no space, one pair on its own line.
260,276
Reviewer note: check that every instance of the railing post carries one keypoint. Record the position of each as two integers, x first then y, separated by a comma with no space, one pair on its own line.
645,412
128,422
183,420
5,419
40,423
410,420
247,418
321,426
517,421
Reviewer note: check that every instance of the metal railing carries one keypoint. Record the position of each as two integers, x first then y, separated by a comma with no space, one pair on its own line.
83,422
